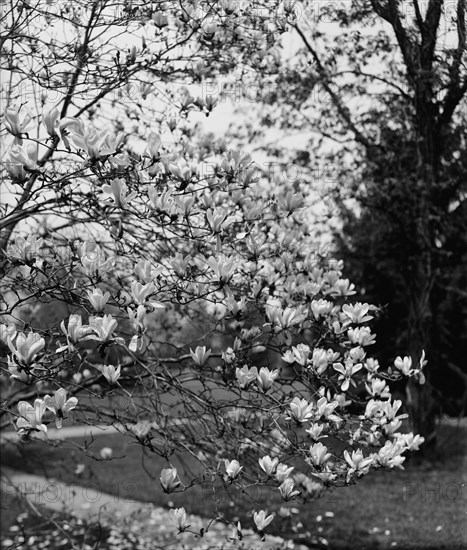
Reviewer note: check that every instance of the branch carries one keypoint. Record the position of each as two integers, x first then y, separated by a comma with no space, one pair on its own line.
343,111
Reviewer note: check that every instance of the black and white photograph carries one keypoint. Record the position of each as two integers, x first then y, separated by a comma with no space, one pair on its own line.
233,275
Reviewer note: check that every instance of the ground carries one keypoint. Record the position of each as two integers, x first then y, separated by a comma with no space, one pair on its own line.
421,507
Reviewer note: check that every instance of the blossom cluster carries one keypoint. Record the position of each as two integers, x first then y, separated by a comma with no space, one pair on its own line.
222,252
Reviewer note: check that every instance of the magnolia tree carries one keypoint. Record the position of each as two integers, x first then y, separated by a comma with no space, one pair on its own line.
279,390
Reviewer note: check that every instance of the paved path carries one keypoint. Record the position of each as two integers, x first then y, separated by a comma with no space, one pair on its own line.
150,522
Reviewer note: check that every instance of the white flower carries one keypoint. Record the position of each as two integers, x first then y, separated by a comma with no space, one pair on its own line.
358,312
179,519
200,355
410,441
261,520
361,336
265,378
25,249
137,318
141,292
75,332
60,405
346,373
169,479
12,123
50,121
268,465
7,332
298,354
404,364
315,431
319,454
141,428
245,376
26,347
98,299
320,360
390,455
300,410
106,453
287,490
232,468
228,356
378,387
282,472
93,259
103,327
358,463
31,417
111,373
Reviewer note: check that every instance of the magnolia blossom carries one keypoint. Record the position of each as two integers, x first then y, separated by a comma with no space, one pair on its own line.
179,519
298,354
357,313
118,191
141,429
245,376
140,292
98,299
321,308
223,268
26,347
389,456
228,356
200,355
266,378
103,327
106,453
51,121
300,410
93,259
361,336
262,520
17,372
282,472
7,332
169,479
320,360
284,319
358,463
287,490
410,441
12,123
75,332
137,318
232,468
218,219
325,409
60,405
111,373
315,431
346,373
144,271
31,416
25,249
268,465
319,454
378,387
403,364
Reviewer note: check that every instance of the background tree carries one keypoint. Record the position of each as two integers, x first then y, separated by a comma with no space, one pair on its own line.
377,88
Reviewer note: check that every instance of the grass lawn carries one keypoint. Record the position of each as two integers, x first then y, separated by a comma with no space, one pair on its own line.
424,506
